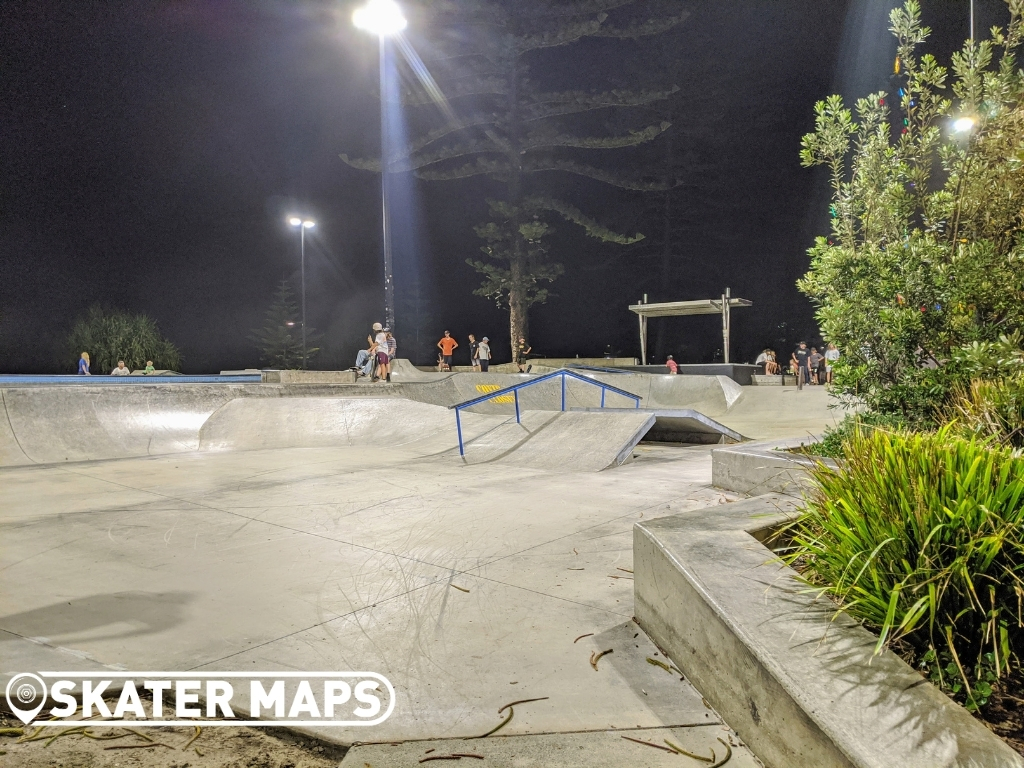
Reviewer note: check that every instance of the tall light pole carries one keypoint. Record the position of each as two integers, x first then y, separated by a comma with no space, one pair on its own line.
383,18
303,225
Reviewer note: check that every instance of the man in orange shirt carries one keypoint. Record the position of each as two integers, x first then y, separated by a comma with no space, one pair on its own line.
447,345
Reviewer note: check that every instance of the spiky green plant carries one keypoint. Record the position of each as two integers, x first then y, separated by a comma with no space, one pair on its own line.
921,538
989,409
112,335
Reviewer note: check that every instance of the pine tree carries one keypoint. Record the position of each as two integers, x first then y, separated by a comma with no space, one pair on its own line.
503,125
280,338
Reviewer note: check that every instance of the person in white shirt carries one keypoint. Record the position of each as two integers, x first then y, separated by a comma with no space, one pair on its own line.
383,360
121,370
831,355
483,354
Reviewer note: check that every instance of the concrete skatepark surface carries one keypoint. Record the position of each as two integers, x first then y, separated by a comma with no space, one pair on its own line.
285,527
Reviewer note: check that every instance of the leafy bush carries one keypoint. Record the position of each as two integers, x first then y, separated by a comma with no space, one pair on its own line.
112,335
921,538
924,266
990,409
835,438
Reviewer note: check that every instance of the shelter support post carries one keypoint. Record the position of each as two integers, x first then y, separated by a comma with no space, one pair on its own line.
726,320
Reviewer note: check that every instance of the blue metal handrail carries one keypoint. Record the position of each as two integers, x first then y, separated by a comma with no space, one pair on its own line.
514,389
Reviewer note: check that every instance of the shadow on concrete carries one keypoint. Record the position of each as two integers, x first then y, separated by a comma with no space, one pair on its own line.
122,614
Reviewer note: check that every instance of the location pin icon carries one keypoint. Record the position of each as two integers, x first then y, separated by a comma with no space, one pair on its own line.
22,690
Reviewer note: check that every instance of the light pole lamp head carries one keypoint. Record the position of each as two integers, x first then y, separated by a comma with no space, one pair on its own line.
383,18
963,124
295,221
309,224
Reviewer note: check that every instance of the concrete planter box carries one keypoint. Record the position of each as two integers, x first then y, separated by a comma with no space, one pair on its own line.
803,693
757,468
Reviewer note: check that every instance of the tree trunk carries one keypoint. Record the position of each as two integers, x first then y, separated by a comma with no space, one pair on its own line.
519,273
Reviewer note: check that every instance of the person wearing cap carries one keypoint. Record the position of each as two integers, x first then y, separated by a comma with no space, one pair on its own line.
671,364
483,354
447,345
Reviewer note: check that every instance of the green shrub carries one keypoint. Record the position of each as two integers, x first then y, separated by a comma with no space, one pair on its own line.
920,538
992,410
835,438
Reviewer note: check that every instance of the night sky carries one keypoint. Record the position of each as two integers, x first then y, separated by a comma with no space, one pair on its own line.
151,152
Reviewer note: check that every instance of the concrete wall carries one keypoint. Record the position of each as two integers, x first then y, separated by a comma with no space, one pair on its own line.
804,690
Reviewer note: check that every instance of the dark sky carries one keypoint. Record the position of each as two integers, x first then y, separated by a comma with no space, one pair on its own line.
151,151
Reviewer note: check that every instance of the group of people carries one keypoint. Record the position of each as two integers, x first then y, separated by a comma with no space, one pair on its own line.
479,353
85,363
375,360
814,366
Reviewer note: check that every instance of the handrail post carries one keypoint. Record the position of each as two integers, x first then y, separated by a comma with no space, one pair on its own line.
563,391
458,426
603,391
515,392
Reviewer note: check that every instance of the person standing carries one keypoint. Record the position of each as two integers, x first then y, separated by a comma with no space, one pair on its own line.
383,361
522,351
671,364
831,355
473,347
121,370
816,361
447,345
83,365
392,347
483,354
801,362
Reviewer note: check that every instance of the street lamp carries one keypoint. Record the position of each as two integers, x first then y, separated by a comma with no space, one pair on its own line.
303,225
383,18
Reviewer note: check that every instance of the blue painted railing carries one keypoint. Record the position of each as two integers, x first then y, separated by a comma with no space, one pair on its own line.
514,390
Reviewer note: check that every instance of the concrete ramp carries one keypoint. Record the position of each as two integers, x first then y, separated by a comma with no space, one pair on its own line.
57,424
11,454
248,424
574,441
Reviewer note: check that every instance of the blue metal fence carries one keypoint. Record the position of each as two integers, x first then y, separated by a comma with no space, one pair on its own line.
514,390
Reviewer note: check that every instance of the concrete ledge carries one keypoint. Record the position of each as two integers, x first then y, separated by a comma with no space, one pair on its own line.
309,377
764,467
743,629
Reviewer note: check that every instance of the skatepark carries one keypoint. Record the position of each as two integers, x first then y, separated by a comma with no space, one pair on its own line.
307,527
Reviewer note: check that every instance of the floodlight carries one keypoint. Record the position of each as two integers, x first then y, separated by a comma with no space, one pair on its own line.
295,221
307,223
963,124
380,17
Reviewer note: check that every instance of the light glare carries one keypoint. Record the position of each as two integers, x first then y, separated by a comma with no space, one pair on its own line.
963,124
308,224
380,17
295,221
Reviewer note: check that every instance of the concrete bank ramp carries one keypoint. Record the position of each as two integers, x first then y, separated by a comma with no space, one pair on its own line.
43,425
574,441
248,424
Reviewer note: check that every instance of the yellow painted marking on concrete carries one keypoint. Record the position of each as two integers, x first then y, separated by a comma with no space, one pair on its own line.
485,388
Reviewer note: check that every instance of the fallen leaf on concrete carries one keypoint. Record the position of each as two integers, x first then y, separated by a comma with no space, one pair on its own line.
682,751
522,701
648,744
623,569
596,657
589,634
461,589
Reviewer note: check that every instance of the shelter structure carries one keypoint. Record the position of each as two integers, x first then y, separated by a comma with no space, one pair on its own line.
721,306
